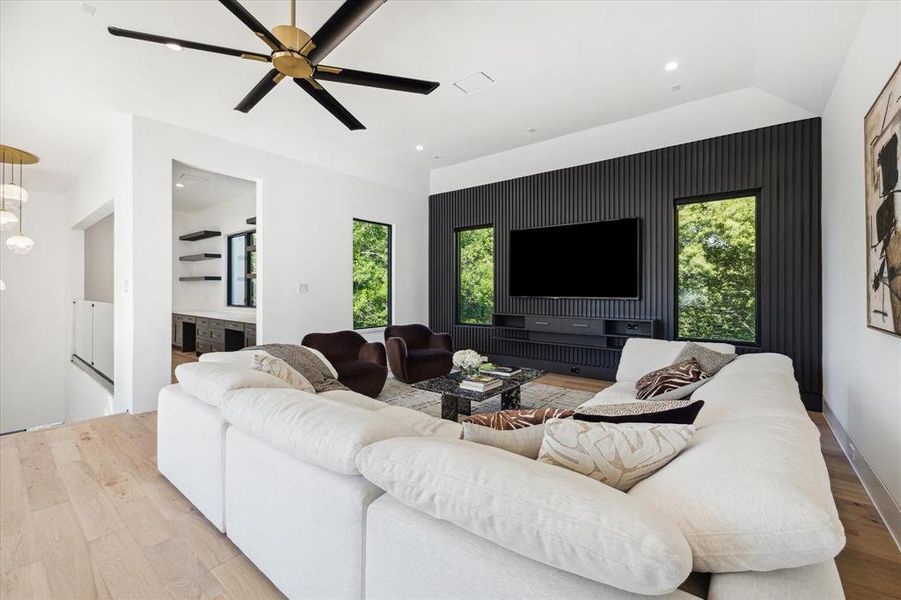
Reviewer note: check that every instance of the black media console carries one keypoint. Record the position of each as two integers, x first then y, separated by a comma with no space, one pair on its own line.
573,332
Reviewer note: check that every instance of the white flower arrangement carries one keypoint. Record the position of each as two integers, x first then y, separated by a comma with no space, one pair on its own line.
467,360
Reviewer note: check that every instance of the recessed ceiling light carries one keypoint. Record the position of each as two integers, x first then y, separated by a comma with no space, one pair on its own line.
174,46
179,185
671,66
420,147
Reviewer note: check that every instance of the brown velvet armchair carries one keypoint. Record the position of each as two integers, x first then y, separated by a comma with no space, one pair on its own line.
361,365
415,353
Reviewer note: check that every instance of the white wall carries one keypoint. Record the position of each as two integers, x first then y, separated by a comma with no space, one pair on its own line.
741,110
862,367
304,220
229,217
98,260
105,187
35,316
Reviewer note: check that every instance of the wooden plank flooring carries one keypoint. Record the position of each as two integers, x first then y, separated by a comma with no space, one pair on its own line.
85,514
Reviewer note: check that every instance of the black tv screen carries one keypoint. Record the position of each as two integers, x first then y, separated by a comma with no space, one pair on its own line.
588,260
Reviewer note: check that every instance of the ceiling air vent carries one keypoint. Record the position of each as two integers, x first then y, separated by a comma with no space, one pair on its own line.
474,83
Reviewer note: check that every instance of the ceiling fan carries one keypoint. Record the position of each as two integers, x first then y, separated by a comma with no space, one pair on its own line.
296,54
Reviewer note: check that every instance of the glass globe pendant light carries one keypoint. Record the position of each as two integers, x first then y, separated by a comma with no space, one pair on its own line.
7,217
20,243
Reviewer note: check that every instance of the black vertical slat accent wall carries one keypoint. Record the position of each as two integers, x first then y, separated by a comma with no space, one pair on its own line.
782,162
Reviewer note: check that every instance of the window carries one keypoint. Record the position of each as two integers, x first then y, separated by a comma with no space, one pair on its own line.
716,269
372,274
242,269
475,275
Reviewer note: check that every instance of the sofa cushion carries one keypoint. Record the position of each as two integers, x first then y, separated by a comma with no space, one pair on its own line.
325,361
506,420
419,422
418,354
317,430
616,454
711,361
238,359
275,366
750,495
209,382
642,356
358,368
672,382
542,512
649,411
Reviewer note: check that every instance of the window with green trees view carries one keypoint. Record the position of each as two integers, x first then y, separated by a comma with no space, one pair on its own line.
475,275
716,241
372,274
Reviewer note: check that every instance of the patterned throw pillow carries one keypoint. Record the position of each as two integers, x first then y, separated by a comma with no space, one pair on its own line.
506,420
517,431
682,412
281,369
711,361
674,382
617,454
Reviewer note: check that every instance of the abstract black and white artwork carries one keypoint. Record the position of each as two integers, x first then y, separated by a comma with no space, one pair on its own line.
882,162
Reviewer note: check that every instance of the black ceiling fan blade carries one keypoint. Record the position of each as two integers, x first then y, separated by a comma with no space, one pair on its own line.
255,26
376,80
259,90
329,103
348,17
164,39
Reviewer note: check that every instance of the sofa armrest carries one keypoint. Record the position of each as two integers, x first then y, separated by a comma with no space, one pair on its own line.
442,341
373,352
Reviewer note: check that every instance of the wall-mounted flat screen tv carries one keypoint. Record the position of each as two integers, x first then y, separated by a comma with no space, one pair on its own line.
587,260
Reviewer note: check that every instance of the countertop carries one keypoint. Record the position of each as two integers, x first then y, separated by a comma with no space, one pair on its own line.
221,315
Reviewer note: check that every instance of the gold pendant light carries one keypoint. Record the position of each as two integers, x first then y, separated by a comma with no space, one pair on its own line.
14,192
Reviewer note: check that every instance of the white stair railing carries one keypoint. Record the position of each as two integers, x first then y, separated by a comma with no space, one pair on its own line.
93,335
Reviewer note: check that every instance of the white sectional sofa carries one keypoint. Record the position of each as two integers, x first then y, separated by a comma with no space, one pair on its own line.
336,495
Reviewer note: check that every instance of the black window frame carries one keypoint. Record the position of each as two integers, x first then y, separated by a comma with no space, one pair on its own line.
390,315
248,248
457,290
756,193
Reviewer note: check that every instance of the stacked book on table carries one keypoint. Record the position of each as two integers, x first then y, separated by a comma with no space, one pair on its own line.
479,383
499,371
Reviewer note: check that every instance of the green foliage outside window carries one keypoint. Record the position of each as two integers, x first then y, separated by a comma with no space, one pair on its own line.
372,274
717,276
475,272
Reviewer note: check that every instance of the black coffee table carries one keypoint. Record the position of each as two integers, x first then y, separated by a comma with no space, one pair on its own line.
455,400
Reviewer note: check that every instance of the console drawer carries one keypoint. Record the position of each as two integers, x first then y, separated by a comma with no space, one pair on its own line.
203,323
217,335
234,326
203,333
534,323
582,326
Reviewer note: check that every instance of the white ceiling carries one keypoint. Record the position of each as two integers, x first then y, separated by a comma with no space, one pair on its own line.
203,189
559,67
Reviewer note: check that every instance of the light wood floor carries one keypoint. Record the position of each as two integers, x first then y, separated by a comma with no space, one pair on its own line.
179,357
85,514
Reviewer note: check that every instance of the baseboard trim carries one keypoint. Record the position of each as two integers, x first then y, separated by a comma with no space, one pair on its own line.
882,500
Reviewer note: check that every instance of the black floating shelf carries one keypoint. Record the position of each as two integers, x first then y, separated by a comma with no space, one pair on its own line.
197,257
199,235
252,221
201,278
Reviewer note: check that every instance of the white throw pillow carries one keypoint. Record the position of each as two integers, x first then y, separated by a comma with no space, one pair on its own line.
525,441
750,495
275,366
541,512
241,358
324,360
617,454
209,382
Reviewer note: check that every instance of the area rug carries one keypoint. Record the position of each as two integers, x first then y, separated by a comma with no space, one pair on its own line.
534,395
